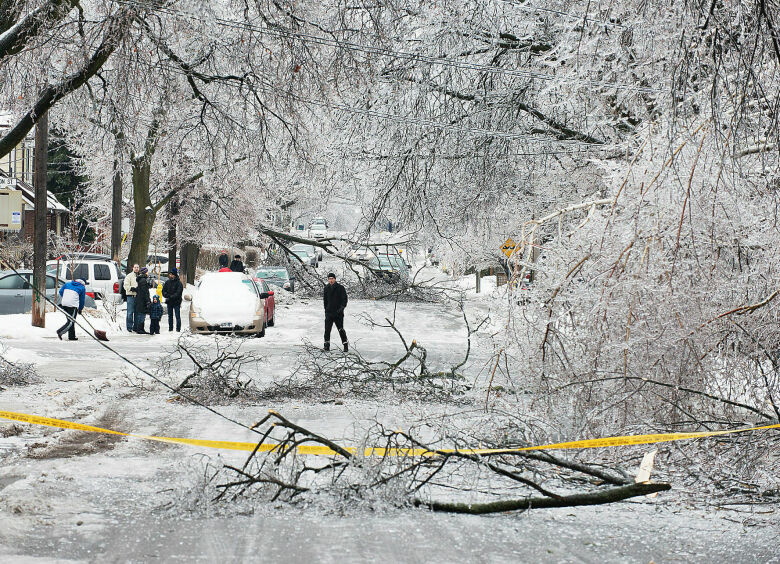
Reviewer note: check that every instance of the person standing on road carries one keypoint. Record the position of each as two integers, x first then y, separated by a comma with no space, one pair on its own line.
72,296
172,291
335,300
237,265
142,301
131,286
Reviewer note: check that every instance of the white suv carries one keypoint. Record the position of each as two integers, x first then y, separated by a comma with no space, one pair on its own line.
103,276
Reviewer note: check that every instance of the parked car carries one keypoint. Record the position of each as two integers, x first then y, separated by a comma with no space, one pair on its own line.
278,276
270,302
391,268
360,252
228,302
103,277
16,293
318,231
390,251
319,221
77,256
311,249
307,257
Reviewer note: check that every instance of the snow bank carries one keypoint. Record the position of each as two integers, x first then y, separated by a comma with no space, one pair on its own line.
224,297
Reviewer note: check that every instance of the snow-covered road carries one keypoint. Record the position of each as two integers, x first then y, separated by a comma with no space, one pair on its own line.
69,496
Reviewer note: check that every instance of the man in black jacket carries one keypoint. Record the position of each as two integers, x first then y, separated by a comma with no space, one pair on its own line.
335,300
142,300
237,265
172,291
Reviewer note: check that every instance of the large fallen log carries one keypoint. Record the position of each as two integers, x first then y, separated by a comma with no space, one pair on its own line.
592,498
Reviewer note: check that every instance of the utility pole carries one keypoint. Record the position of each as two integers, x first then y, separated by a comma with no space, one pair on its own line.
116,210
173,210
40,228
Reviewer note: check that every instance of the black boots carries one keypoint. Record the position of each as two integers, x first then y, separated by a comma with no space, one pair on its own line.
346,346
326,347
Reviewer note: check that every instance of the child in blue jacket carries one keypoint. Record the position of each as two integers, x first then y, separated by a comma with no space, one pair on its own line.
155,314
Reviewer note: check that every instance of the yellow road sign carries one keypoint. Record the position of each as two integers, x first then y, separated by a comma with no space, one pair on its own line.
509,247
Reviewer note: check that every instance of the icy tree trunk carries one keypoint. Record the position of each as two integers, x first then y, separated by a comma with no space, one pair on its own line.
189,260
40,231
145,213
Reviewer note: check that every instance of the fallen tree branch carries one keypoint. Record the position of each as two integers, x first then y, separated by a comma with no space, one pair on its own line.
591,498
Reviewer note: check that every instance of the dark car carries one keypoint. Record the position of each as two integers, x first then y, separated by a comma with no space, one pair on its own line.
389,268
278,276
16,291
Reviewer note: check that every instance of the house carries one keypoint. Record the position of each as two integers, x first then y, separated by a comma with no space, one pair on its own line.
56,214
18,166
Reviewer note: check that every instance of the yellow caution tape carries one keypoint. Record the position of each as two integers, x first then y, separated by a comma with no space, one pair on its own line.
372,451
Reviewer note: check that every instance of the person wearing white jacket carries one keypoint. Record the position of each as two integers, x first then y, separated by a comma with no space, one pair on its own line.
131,285
72,296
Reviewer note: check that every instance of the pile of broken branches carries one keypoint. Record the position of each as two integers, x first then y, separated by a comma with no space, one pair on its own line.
399,470
16,373
215,370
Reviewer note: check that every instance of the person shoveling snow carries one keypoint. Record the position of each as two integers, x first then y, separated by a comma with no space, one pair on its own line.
72,297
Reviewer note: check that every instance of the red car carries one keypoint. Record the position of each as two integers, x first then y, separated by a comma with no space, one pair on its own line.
270,302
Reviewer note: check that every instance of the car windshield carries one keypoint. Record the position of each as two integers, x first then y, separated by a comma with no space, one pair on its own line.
272,274
383,262
397,261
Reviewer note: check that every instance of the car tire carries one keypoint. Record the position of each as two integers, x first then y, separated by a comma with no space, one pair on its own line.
261,334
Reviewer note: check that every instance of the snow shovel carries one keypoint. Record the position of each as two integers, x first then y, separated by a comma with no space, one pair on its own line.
99,335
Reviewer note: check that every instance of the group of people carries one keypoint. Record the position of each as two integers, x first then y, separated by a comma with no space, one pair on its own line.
235,266
139,303
137,285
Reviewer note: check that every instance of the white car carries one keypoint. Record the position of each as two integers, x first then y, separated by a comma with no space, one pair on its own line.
318,231
228,302
103,276
360,252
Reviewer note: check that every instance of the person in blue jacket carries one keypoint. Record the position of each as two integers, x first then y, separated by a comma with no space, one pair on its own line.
72,296
155,314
